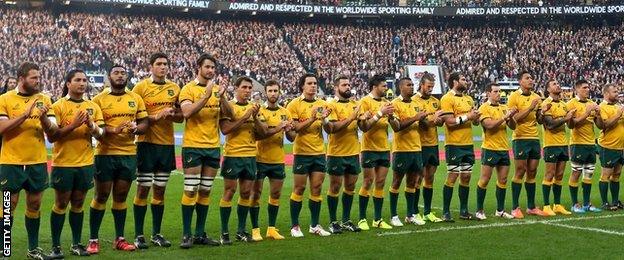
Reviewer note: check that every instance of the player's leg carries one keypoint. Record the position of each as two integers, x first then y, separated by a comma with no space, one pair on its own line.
242,210
316,184
225,207
62,183
573,182
254,211
557,187
381,172
529,185
397,179
335,169
33,218
275,185
76,218
103,187
165,164
484,180
588,173
364,195
301,170
547,183
614,186
464,189
206,181
121,187
608,160
428,179
411,197
192,178
502,171
144,183
347,199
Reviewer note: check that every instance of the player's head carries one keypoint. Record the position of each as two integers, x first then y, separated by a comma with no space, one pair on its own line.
272,90
159,65
426,84
206,66
118,76
342,87
406,87
553,87
243,85
307,84
28,76
75,82
526,80
457,81
610,92
582,89
9,84
493,92
378,85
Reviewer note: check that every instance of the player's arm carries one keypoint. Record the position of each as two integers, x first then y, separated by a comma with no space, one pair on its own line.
78,120
610,122
337,126
366,123
190,108
7,124
577,120
227,124
177,116
261,129
48,121
522,114
141,126
452,121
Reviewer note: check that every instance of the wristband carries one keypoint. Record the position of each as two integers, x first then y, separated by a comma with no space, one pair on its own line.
326,120
376,118
379,114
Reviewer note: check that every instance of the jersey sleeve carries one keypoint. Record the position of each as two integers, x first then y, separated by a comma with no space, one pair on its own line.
185,94
56,107
604,112
98,117
446,104
292,109
141,110
512,102
333,116
364,107
3,110
47,101
485,112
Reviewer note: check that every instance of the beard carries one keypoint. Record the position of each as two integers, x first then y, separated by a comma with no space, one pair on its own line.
272,99
32,88
346,94
120,85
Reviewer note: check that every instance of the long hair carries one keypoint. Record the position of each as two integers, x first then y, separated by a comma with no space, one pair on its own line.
68,78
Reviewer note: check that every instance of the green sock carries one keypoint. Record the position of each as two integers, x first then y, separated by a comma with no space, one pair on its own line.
187,218
254,214
603,186
139,219
574,194
315,212
157,217
363,201
516,188
377,206
95,221
427,197
615,191
75,223
447,194
347,202
546,193
332,205
394,200
480,197
556,188
202,215
409,199
32,228
272,214
225,218
119,217
530,188
241,212
500,198
57,222
416,198
463,198
586,193
295,210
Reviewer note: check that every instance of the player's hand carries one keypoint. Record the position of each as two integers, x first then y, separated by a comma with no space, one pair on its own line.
420,115
256,109
208,88
29,109
120,128
591,107
326,112
570,114
534,103
387,109
165,113
473,115
88,121
356,113
43,110
437,117
221,91
546,107
289,126
510,113
79,119
131,127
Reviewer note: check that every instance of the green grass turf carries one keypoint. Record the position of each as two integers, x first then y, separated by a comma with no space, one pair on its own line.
493,238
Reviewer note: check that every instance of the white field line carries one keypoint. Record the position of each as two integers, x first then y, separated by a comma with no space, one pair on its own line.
610,232
512,223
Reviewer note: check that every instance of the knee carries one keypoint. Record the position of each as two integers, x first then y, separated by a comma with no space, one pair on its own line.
334,189
299,190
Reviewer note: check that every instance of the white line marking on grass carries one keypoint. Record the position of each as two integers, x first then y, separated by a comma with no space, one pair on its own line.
610,232
506,224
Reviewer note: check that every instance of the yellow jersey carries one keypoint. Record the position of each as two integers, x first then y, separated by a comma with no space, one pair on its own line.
76,148
118,109
611,138
557,136
408,139
526,128
309,141
376,138
242,141
494,139
158,96
457,105
346,141
428,134
24,144
201,129
583,132
271,149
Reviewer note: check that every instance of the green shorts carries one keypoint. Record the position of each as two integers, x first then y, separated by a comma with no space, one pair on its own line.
115,167
193,157
554,154
32,178
274,171
583,153
155,158
407,162
373,159
526,149
235,168
306,164
495,158
459,154
72,178
430,155
609,158
341,165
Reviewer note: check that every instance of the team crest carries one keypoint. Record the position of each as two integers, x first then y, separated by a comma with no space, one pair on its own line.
435,105
216,93
90,111
170,92
39,104
131,104
417,109
283,117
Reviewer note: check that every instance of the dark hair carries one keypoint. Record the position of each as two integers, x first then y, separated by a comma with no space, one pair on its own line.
157,55
271,82
548,82
241,79
26,67
302,79
489,86
339,78
426,77
580,82
5,86
453,77
375,80
68,78
522,74
401,80
203,57
115,66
